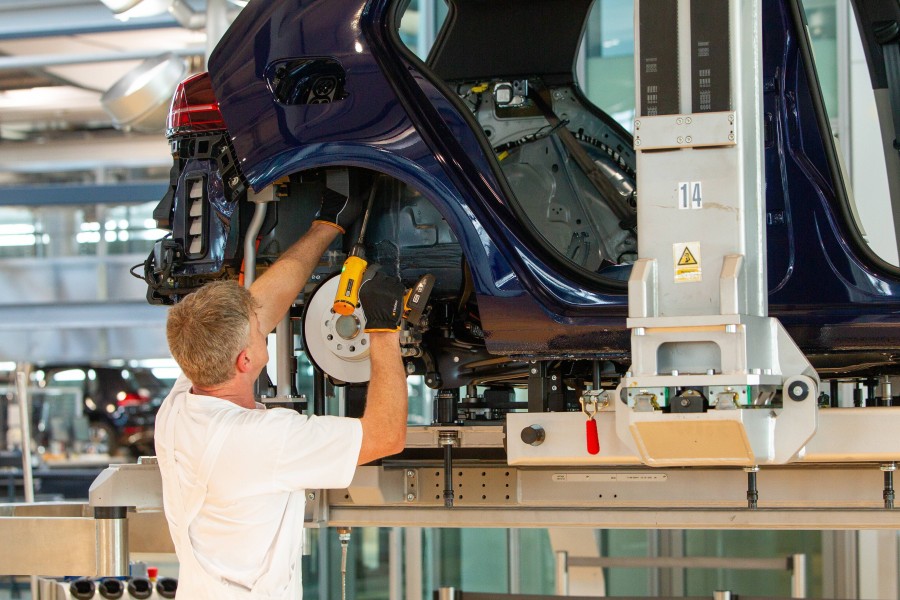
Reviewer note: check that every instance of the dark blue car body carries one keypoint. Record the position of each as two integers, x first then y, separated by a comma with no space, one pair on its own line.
394,116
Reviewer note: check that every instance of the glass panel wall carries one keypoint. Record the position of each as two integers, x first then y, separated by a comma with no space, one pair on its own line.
753,544
850,103
608,50
821,19
55,231
481,560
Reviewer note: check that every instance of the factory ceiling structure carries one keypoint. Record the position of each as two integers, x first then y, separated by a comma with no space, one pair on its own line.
57,60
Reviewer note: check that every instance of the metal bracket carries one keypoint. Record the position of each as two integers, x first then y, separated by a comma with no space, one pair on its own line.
698,130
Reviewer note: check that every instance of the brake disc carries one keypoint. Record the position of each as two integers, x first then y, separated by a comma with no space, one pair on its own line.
335,344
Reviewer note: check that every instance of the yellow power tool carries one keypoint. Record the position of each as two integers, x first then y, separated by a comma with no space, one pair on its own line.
347,298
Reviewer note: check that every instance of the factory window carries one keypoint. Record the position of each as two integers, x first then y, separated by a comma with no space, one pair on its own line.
419,24
20,234
867,161
605,68
57,231
753,544
822,19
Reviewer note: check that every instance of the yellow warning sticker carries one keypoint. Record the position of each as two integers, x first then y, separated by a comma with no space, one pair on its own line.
687,258
687,261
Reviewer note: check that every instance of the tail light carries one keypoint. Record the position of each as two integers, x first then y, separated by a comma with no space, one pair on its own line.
194,107
130,399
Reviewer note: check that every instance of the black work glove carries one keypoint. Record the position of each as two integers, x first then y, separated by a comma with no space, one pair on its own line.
382,301
338,210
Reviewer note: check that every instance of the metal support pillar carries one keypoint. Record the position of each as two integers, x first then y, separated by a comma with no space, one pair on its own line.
797,563
537,387
839,564
698,296
415,558
112,541
546,391
25,427
562,573
578,545
877,563
513,546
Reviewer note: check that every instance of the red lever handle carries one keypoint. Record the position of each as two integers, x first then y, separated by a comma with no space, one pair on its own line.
593,439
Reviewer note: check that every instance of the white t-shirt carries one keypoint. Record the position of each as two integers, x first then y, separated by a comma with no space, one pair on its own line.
247,535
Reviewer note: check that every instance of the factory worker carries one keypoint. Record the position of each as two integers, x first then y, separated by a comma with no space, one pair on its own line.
234,474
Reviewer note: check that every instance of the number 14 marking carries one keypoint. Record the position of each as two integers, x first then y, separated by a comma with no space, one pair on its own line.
690,195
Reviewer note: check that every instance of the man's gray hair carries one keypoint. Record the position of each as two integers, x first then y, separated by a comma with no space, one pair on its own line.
208,329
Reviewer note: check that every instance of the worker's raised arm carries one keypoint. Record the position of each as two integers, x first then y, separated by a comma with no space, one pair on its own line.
384,421
277,288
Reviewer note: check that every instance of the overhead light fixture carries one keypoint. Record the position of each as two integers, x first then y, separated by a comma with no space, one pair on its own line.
134,9
120,6
179,9
140,100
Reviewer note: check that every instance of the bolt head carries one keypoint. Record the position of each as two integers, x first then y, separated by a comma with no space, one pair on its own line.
409,473
410,497
311,496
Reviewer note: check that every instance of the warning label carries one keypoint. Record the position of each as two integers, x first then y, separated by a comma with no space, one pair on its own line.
687,258
687,261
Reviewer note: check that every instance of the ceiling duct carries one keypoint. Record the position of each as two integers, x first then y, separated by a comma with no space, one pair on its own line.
140,100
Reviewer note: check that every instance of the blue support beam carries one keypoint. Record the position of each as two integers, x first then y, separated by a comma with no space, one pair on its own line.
82,194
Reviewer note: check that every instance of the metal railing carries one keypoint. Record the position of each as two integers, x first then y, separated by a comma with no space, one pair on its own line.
795,563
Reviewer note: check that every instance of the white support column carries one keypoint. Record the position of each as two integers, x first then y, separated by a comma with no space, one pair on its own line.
413,552
395,563
580,543
514,556
878,562
839,565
